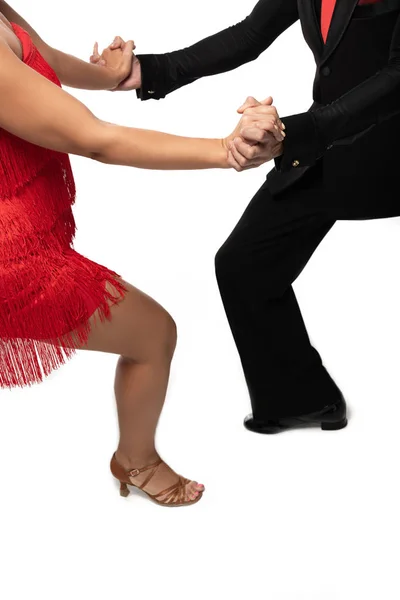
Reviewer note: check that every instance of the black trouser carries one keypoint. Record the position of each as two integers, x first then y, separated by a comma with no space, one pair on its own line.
255,267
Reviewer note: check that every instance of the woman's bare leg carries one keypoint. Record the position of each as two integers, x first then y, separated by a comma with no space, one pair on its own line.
144,335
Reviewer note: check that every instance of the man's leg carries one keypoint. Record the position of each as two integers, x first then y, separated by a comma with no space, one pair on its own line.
255,268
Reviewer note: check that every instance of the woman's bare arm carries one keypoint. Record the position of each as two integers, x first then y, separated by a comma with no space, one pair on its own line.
70,70
35,109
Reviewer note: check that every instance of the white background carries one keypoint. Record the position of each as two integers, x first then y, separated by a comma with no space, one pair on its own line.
304,515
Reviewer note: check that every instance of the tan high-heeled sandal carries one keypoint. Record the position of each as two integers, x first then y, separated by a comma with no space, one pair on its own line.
174,495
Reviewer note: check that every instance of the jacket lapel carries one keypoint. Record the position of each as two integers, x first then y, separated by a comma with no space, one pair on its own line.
340,20
312,29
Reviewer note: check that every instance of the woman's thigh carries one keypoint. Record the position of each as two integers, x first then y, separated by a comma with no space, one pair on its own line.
138,328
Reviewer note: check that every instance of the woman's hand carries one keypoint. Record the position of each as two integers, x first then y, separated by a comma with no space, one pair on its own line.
133,78
117,62
258,136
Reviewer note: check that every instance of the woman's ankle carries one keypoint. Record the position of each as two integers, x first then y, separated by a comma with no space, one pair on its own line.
134,459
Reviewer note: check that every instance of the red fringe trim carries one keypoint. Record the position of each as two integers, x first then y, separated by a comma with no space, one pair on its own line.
61,330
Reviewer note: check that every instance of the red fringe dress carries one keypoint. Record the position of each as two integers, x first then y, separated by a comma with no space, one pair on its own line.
48,291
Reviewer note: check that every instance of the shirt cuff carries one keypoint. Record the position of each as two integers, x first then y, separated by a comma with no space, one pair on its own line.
302,145
152,77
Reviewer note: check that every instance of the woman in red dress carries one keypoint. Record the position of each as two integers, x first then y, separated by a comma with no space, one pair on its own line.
53,300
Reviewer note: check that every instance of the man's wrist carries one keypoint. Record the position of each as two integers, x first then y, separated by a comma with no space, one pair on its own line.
302,144
151,77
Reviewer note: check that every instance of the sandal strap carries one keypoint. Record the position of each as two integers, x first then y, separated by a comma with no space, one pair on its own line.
150,477
175,493
135,472
168,490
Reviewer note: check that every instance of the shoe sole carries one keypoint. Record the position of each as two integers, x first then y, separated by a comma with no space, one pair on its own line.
334,426
126,493
301,425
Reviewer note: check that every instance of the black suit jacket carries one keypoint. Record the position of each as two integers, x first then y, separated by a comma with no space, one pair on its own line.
353,125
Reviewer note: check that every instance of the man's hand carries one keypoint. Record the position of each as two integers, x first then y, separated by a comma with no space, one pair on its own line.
258,137
133,77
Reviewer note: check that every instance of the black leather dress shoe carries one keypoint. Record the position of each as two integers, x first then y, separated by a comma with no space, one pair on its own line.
329,418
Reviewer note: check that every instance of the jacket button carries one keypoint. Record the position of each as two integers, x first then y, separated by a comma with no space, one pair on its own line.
326,70
295,163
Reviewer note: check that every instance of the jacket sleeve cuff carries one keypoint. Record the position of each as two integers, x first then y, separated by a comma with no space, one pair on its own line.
153,76
302,145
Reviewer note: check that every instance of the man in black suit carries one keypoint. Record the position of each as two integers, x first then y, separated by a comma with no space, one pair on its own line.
339,160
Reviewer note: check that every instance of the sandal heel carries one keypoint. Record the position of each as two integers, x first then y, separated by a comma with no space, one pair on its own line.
334,426
123,490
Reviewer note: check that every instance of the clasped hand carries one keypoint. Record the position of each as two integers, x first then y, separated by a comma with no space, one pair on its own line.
117,62
259,135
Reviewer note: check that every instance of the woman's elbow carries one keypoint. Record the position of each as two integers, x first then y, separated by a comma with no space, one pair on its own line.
93,143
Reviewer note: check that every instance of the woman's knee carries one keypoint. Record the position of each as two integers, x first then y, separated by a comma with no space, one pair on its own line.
158,343
169,337
139,329
164,337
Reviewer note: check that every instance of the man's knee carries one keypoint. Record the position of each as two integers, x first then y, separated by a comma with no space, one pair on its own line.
225,261
235,261
243,269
